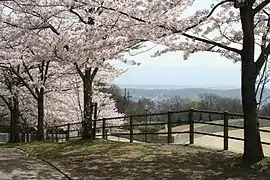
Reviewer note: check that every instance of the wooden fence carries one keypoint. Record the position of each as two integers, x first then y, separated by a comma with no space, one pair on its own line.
102,128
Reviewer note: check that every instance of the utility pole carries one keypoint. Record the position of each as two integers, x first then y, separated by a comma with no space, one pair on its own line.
127,96
125,99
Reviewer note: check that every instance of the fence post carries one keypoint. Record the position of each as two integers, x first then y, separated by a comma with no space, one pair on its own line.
169,125
106,133
47,134
226,130
95,120
201,117
67,133
94,128
56,133
27,133
191,125
103,128
209,117
131,128
52,133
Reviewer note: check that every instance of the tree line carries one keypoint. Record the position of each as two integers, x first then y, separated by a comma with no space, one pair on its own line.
205,101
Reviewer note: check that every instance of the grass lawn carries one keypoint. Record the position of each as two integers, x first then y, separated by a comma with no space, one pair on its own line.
120,160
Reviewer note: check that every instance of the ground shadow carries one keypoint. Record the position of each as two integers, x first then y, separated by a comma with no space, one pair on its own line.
115,160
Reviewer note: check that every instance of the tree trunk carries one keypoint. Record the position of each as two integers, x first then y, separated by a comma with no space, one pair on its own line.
252,143
87,90
14,133
40,126
14,120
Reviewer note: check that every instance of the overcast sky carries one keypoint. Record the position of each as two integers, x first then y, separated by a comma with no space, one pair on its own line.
201,70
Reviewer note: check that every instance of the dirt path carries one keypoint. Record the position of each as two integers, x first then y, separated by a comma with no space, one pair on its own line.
234,145
18,166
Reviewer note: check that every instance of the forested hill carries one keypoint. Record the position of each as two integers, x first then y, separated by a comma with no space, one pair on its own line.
190,93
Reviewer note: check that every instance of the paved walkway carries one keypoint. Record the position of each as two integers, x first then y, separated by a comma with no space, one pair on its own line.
15,165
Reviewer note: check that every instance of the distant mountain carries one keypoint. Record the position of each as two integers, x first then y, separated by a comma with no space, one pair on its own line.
135,86
129,86
191,93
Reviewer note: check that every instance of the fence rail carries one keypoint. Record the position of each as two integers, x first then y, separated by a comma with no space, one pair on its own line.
161,128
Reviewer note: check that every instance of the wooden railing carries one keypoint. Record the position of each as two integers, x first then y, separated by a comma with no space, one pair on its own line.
131,131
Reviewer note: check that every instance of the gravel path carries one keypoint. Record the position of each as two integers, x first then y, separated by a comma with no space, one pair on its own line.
16,165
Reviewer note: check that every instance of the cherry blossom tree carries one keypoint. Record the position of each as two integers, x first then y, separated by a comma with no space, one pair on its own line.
92,43
9,86
37,70
106,104
236,29
88,34
253,17
76,33
70,103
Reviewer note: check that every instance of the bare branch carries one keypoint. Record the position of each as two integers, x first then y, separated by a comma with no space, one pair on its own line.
262,58
261,6
262,90
262,82
264,50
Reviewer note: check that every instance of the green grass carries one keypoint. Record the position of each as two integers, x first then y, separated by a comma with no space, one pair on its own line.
119,160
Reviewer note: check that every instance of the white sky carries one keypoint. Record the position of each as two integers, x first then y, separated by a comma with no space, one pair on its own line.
201,70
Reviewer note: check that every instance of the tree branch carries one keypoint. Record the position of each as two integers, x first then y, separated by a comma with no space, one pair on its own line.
53,29
211,12
46,72
261,6
213,43
261,80
79,70
78,15
265,51
94,73
24,83
48,26
28,72
41,70
262,58
174,30
61,90
6,102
